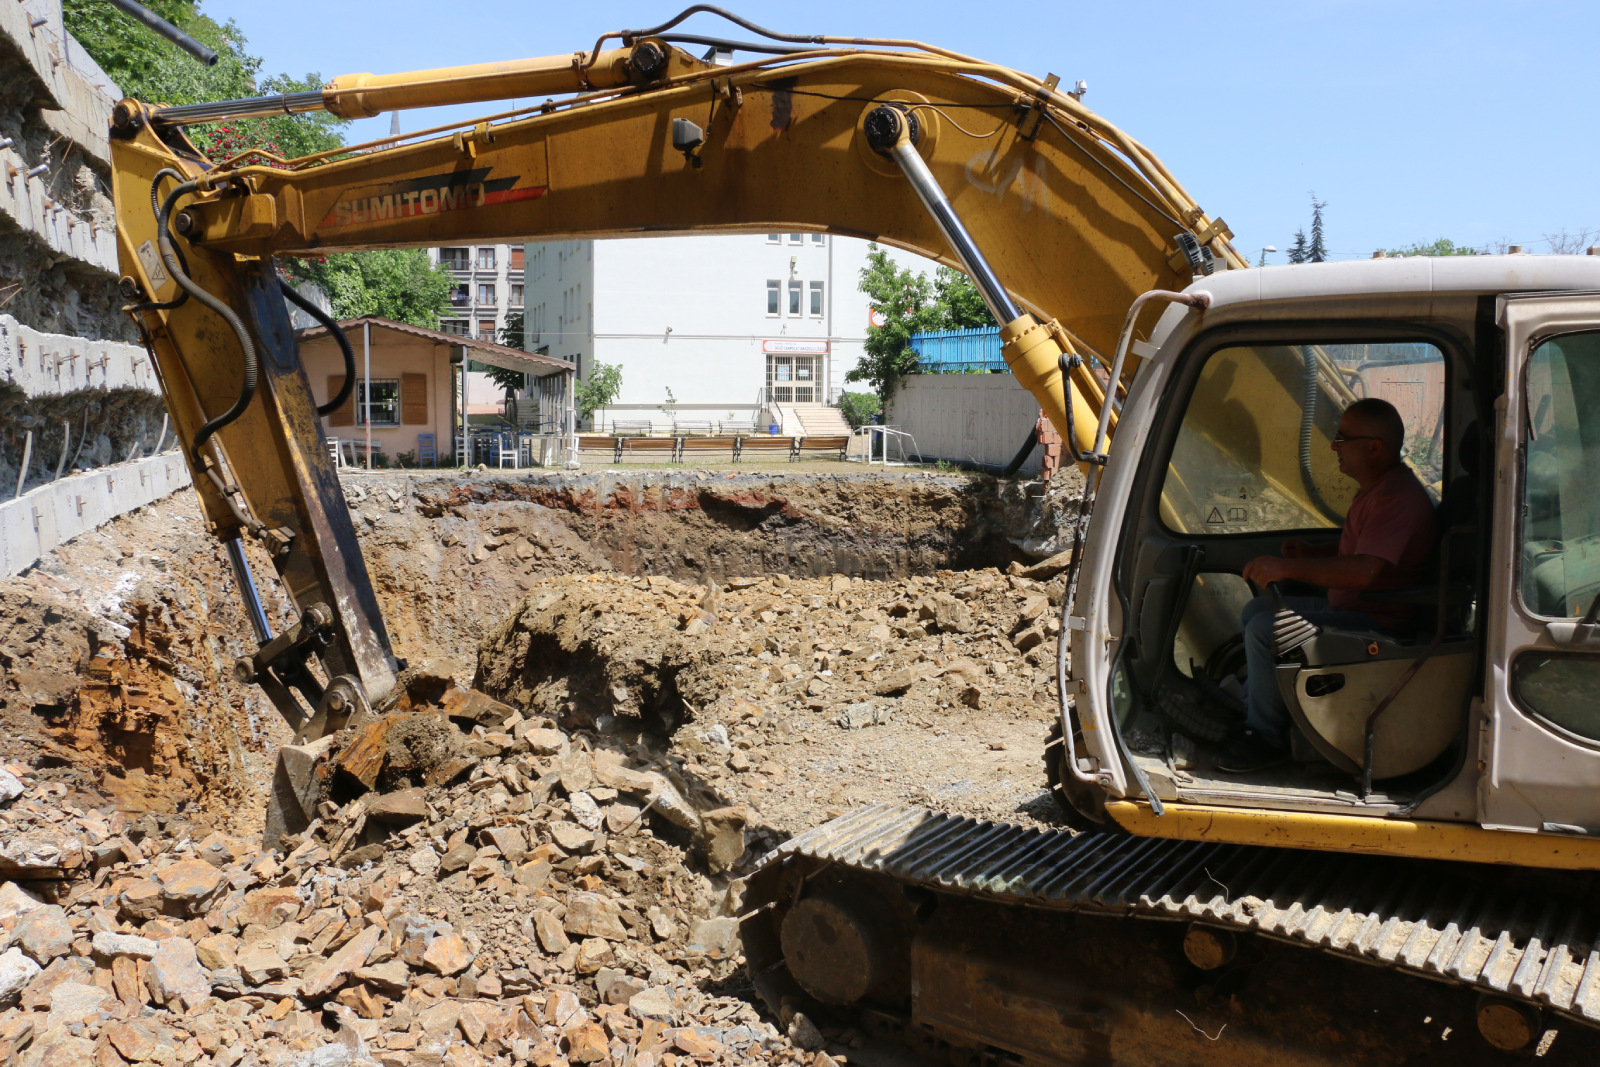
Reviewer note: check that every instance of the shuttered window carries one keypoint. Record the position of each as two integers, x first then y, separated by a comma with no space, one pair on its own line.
344,414
413,399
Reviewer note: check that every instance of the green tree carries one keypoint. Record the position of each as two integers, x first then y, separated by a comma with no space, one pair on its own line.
599,388
908,303
1442,247
397,284
1297,251
1317,251
153,69
510,335
858,408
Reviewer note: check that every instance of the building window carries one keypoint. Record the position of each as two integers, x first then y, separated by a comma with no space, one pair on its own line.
518,254
454,258
458,327
774,287
459,295
516,295
385,401
486,257
486,330
486,292
797,238
774,238
818,238
816,299
794,298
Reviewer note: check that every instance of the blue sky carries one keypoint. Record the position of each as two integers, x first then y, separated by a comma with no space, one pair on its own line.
1413,120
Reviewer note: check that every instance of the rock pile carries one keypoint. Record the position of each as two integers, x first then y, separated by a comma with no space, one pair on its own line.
756,689
477,887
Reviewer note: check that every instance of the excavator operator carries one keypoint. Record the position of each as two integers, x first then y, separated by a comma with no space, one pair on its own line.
1388,536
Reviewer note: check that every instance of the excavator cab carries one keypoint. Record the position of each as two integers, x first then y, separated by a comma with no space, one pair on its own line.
1235,409
1248,464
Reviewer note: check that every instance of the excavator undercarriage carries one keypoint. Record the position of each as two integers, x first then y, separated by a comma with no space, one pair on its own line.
996,943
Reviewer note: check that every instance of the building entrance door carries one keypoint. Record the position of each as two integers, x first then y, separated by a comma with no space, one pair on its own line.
793,379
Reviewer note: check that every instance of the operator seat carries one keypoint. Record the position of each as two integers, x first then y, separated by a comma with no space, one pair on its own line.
1333,682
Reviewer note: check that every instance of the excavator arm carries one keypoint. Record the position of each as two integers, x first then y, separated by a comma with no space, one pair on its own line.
1061,219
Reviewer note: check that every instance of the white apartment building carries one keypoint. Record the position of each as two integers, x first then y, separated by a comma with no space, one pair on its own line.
751,328
488,286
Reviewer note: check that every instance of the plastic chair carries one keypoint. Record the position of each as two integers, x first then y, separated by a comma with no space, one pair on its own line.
505,448
427,451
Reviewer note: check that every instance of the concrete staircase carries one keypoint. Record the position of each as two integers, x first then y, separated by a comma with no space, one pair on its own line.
816,420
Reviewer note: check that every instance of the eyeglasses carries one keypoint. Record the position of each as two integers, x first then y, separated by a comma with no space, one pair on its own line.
1340,438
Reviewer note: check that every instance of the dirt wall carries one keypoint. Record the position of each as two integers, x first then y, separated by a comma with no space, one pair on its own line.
116,650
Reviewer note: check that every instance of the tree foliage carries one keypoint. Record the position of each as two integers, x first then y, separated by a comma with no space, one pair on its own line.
153,69
1442,247
1297,251
397,284
1317,250
858,408
906,303
600,388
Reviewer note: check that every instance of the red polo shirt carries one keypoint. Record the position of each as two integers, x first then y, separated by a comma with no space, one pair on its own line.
1393,520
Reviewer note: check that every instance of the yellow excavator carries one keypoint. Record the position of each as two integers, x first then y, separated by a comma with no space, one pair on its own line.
1413,888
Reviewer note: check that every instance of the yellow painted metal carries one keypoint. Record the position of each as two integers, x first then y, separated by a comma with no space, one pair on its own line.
1464,842
1033,351
358,96
1075,222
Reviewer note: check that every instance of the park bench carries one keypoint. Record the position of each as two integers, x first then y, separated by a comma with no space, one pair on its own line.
758,444
703,445
609,444
823,444
660,448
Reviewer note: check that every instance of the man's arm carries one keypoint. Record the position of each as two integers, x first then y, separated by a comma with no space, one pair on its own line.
1296,548
1339,572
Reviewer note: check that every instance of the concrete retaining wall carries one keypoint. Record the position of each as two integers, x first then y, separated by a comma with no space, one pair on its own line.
46,364
973,418
53,514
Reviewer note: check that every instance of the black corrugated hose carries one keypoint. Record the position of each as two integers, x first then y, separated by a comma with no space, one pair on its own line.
252,366
338,335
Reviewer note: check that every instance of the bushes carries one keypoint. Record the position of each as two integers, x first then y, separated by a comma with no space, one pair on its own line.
858,408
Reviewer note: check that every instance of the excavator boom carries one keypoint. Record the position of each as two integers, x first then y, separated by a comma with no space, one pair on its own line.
1061,218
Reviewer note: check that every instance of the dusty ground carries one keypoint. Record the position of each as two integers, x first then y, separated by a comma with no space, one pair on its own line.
801,698
783,645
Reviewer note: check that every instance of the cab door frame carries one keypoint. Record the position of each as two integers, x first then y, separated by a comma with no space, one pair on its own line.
1536,777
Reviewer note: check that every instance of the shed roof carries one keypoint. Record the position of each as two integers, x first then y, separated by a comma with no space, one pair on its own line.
480,351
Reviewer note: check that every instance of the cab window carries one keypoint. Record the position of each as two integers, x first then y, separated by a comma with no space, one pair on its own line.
1561,495
1253,453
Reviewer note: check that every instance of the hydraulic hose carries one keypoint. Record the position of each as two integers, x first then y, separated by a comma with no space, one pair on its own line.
252,366
155,209
1308,419
317,313
1022,453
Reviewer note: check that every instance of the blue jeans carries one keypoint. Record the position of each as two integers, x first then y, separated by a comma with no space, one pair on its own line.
1264,710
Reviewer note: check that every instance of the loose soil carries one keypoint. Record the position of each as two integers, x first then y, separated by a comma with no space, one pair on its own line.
778,648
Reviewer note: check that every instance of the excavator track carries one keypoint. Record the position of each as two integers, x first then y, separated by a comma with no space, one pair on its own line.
1461,959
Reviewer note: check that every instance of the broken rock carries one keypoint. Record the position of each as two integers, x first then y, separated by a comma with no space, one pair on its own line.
591,915
327,975
16,971
108,945
44,933
176,977
189,886
448,955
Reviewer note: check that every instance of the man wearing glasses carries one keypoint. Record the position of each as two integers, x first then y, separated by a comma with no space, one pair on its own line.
1388,535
